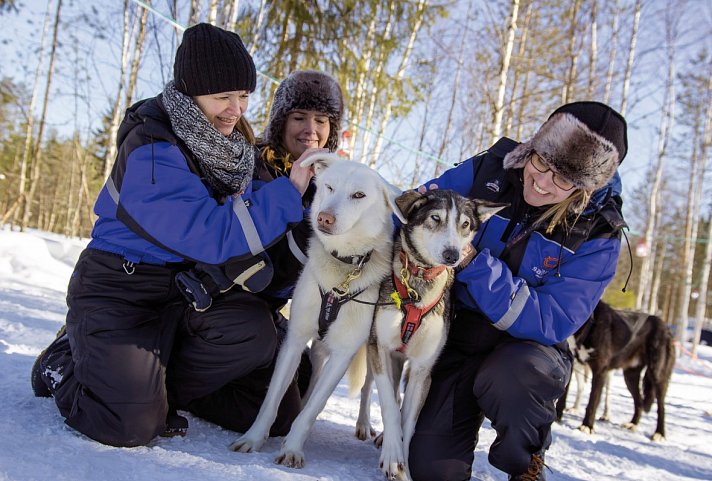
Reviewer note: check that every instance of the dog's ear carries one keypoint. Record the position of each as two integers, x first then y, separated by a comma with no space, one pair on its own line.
486,209
409,200
321,161
392,193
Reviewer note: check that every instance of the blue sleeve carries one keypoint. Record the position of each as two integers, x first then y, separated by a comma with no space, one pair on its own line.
547,313
172,206
459,178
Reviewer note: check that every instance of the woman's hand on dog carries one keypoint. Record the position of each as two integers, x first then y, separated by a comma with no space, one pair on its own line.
301,176
468,253
422,189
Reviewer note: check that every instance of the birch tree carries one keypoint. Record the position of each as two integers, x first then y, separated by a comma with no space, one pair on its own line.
666,123
37,154
16,207
631,56
506,57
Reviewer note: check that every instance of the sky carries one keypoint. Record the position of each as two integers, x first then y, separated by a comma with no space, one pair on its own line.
35,444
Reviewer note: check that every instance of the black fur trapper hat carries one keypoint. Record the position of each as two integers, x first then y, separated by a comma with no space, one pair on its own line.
583,141
306,90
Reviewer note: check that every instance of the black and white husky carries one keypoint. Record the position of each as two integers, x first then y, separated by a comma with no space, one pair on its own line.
413,313
348,257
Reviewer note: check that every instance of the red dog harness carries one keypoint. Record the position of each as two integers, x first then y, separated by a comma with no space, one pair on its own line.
408,297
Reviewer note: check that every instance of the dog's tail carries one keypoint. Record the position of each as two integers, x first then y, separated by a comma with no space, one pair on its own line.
357,371
660,361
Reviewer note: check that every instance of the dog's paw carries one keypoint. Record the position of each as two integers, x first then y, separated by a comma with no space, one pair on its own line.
246,444
657,437
291,459
378,441
631,427
392,462
586,429
364,431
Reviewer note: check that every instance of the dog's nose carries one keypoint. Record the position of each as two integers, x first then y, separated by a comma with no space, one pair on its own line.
325,219
450,256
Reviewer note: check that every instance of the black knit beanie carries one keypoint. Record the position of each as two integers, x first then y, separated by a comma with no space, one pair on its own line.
306,90
584,141
211,60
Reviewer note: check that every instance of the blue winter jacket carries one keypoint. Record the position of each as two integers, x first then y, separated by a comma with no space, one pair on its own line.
545,286
155,208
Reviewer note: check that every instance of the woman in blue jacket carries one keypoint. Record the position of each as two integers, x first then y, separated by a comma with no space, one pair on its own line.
535,272
181,192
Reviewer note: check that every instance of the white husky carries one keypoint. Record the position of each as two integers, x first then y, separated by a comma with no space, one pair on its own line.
348,257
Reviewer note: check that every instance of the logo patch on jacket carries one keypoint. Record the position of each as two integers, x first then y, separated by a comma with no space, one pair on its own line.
550,262
493,185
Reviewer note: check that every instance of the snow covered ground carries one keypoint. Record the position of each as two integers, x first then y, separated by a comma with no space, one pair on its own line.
36,445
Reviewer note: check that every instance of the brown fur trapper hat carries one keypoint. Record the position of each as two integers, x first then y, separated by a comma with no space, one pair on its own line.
582,141
306,90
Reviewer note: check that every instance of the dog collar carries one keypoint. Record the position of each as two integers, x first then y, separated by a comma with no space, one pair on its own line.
353,260
425,273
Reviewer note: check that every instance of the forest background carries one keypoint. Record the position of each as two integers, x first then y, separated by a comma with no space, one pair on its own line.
427,83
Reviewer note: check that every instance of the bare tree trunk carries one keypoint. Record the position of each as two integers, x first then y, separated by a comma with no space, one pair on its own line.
522,48
503,71
116,110
593,54
15,209
666,121
138,50
37,157
194,16
631,57
567,92
400,73
213,11
258,26
612,56
231,15
659,256
691,228
453,102
375,75
358,99
705,270
704,282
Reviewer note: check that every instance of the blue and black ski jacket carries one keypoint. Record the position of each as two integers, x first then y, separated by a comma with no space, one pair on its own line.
541,287
154,208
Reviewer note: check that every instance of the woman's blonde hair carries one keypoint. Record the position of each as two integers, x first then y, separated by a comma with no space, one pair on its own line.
566,212
282,161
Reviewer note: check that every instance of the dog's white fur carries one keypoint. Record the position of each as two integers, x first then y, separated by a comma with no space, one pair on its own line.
350,215
435,246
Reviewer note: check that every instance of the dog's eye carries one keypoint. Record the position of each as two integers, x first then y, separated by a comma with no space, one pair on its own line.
435,217
358,195
466,224
329,188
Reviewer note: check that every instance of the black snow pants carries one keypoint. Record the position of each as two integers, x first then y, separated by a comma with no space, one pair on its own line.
136,347
483,372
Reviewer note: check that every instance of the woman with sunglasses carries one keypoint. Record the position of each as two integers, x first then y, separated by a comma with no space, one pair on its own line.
532,277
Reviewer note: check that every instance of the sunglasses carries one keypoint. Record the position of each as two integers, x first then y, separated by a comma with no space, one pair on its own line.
563,184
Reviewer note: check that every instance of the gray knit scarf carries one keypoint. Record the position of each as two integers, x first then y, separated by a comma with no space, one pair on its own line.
227,162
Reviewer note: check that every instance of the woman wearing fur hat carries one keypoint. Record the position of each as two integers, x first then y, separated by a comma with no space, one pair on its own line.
534,275
181,192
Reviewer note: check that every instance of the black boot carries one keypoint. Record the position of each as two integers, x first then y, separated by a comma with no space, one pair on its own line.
48,367
535,471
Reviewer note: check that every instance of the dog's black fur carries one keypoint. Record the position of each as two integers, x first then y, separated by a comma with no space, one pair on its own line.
631,341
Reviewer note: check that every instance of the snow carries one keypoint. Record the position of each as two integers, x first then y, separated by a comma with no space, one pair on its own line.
35,444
